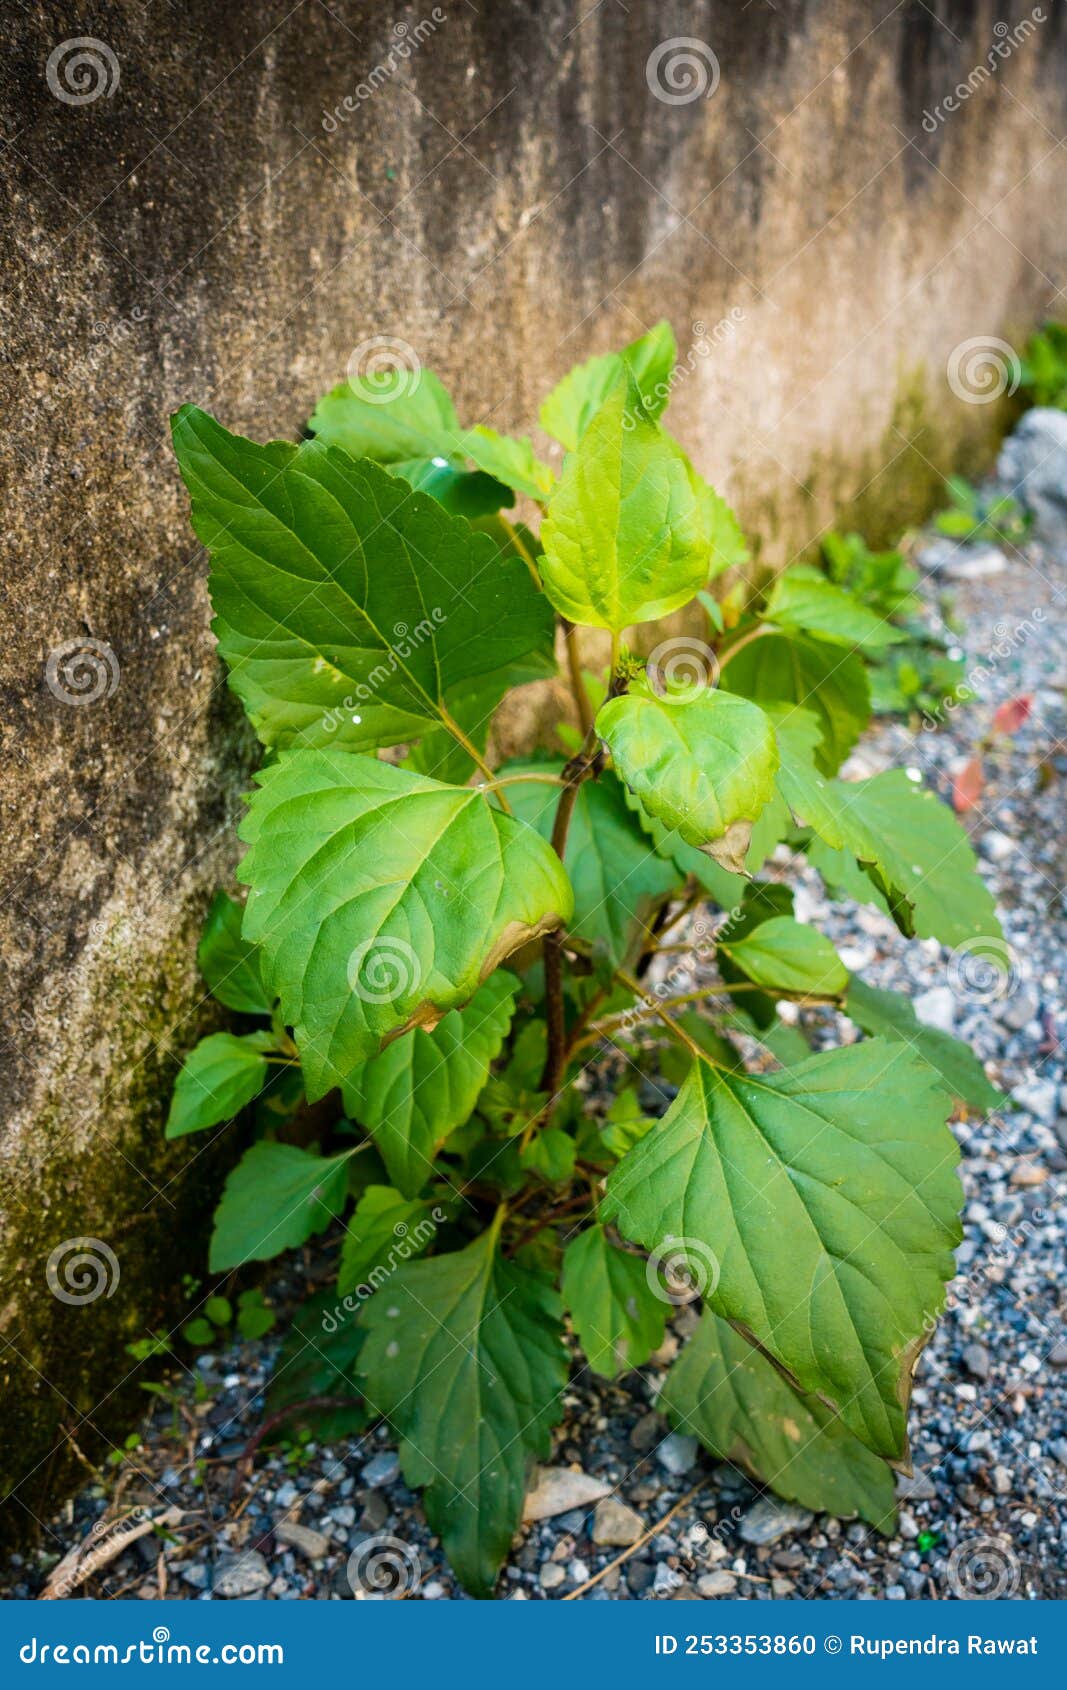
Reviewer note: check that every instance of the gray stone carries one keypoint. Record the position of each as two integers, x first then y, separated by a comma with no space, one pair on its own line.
646,1432
241,1575
1033,467
558,1489
311,1543
1017,1011
770,1519
976,1361
677,1453
639,1576
916,1487
937,1008
551,1575
381,1469
718,1583
615,1523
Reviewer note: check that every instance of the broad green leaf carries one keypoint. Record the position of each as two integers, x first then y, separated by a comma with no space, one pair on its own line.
275,1198
464,1355
382,900
618,879
510,461
383,1232
762,901
618,1318
228,962
816,676
724,888
317,1359
911,846
349,609
891,1014
786,956
733,1399
624,1123
703,766
424,1085
626,537
390,417
804,598
219,1076
828,1198
462,492
551,1154
572,405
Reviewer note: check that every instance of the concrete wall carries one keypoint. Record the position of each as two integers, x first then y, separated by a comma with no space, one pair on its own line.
507,198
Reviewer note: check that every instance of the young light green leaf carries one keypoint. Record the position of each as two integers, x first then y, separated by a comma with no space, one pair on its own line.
704,765
805,598
383,1232
510,461
728,546
827,1198
275,1198
812,674
464,1355
786,956
892,1015
229,964
911,846
424,1085
571,407
349,609
617,877
626,537
723,1391
618,1318
219,1076
390,417
382,900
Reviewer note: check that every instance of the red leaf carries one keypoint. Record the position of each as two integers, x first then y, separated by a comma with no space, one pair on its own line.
1009,717
967,786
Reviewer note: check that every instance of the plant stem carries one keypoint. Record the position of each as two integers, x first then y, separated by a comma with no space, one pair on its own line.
574,669
470,748
746,639
521,547
671,1025
514,780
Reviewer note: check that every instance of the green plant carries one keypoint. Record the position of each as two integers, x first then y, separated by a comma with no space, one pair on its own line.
917,672
977,515
1044,369
442,943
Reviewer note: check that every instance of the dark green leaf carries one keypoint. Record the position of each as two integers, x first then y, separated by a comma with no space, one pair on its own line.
275,1198
219,1076
228,962
891,1014
618,1317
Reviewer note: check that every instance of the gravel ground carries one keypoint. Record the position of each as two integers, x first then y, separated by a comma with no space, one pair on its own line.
986,1511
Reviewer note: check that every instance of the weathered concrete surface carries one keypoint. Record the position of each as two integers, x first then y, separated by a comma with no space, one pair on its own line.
507,199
